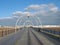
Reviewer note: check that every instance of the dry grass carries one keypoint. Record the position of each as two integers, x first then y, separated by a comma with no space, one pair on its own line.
3,28
53,28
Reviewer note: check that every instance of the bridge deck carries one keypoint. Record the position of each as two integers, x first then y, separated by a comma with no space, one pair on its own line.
27,36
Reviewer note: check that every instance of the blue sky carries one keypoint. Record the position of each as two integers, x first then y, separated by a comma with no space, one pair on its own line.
7,7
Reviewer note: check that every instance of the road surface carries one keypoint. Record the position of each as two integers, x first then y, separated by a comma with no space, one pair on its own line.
27,36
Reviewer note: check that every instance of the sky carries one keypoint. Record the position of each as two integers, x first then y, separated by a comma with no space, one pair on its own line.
7,7
48,11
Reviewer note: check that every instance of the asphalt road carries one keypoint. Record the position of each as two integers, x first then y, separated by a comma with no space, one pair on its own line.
27,36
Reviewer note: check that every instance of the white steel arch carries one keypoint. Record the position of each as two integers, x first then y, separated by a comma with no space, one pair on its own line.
28,21
25,15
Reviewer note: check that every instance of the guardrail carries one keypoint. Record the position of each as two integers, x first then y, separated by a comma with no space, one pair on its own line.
6,32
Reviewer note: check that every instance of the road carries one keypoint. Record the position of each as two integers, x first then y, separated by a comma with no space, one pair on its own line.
27,36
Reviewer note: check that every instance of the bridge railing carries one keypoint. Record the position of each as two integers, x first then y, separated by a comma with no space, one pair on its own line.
6,31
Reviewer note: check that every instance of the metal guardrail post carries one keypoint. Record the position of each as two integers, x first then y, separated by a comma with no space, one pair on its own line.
2,33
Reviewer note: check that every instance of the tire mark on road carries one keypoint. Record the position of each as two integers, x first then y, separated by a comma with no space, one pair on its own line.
37,39
29,40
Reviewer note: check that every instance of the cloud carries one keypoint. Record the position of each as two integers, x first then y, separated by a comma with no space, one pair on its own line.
6,18
31,7
43,8
26,12
19,13
53,8
36,7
